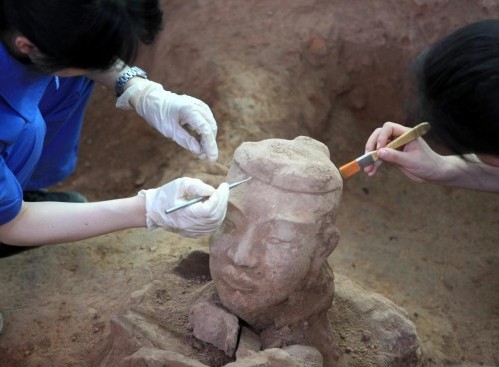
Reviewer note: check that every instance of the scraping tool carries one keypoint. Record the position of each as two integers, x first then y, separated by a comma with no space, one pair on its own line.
201,198
369,158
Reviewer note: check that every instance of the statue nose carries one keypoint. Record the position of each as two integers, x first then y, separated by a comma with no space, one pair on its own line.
244,251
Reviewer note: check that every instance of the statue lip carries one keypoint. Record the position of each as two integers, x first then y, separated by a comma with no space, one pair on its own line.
239,282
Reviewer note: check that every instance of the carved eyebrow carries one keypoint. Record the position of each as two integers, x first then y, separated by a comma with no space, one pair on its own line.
293,220
284,218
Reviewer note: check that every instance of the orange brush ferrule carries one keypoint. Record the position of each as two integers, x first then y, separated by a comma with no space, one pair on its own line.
358,164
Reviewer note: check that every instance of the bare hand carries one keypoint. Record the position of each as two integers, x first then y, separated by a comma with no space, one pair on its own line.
417,160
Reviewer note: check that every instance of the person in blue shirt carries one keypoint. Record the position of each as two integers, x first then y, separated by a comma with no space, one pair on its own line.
457,92
51,54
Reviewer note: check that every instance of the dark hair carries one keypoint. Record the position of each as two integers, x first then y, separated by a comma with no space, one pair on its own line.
86,34
458,89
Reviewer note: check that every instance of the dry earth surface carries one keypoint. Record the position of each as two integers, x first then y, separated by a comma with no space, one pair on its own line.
333,70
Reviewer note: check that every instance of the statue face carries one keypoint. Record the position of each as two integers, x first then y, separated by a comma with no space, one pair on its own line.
266,247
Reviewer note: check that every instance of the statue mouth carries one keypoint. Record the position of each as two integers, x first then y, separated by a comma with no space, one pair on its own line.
237,281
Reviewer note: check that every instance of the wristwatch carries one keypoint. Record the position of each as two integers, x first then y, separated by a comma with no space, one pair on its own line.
126,76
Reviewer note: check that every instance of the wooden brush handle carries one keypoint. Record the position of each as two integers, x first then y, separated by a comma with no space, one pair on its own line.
414,133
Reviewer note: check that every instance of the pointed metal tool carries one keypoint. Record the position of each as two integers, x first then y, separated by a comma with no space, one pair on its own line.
201,198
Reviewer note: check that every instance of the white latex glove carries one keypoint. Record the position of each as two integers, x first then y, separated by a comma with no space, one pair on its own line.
196,220
171,114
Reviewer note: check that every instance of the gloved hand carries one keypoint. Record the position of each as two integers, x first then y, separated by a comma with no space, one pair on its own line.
170,114
196,220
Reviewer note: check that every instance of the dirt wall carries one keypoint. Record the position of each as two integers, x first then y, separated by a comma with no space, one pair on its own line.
332,70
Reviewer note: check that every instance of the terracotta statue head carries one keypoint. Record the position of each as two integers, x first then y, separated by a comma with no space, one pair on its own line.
271,253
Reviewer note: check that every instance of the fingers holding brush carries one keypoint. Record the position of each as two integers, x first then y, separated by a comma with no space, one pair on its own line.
383,135
413,159
379,139
383,143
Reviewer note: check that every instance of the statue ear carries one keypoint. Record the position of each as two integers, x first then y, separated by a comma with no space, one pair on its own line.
331,237
327,243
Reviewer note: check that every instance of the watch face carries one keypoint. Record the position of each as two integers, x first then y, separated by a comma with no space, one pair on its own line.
135,71
139,72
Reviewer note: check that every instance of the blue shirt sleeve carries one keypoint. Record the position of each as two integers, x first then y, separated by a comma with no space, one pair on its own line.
11,194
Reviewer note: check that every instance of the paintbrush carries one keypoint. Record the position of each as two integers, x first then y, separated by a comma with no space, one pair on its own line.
369,158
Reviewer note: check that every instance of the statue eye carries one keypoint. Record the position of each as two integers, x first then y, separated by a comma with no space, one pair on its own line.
274,241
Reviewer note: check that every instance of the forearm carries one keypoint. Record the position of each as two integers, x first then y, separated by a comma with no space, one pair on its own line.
469,173
52,222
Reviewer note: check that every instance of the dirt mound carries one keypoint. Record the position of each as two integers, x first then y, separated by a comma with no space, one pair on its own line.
332,70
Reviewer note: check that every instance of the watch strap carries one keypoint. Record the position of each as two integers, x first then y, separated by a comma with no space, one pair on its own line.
131,73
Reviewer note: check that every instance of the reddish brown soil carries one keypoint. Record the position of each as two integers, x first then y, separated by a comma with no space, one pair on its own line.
333,70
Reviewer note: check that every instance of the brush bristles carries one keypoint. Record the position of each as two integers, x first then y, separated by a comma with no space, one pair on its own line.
349,169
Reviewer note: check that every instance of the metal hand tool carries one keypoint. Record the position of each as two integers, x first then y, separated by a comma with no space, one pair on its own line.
201,198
